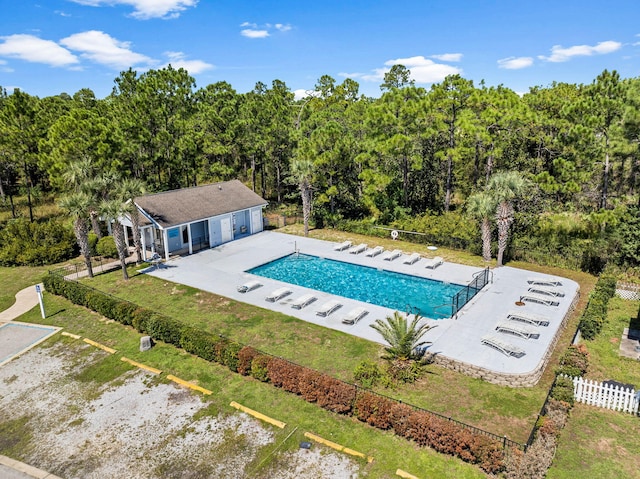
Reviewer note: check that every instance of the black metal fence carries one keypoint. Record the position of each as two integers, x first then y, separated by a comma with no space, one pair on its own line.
462,297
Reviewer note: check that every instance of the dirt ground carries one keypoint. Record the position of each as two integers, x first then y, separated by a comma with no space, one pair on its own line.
135,427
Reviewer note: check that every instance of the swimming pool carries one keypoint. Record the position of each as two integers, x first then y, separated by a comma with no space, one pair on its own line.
398,291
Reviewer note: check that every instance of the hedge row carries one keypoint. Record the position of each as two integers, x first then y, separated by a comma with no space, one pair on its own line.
595,315
425,428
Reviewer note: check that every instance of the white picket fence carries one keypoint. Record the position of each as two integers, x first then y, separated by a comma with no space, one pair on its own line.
607,396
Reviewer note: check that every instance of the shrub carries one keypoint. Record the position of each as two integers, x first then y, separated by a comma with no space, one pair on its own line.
245,358
229,355
574,362
595,315
562,390
198,342
400,416
374,410
310,384
367,374
259,368
107,247
404,371
337,396
284,374
24,243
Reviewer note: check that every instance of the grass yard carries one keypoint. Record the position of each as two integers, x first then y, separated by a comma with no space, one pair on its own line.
15,279
597,442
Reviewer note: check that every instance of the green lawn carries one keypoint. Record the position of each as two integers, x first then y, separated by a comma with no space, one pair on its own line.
599,443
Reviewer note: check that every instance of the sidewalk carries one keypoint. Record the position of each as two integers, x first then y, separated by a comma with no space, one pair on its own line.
26,300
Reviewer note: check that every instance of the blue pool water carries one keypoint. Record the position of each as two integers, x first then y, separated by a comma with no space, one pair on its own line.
401,292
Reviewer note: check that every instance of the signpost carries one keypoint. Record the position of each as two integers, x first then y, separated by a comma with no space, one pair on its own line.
39,291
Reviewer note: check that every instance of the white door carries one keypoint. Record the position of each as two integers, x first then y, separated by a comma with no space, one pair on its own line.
225,229
256,221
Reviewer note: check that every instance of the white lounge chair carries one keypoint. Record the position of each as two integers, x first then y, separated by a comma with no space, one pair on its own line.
249,286
528,318
412,259
540,281
302,301
342,246
548,291
503,346
517,329
538,298
358,249
278,294
355,315
373,252
433,263
391,255
329,307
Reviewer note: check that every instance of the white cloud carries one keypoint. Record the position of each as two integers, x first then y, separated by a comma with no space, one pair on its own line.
145,9
102,48
422,69
515,63
33,49
448,57
250,33
560,54
177,60
282,27
253,30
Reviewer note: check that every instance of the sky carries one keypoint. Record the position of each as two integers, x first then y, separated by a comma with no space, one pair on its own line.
48,47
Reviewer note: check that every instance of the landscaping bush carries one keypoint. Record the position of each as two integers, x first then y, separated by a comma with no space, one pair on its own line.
25,243
404,371
367,374
229,355
284,374
574,362
310,384
198,342
259,368
245,358
562,390
595,314
107,247
336,396
374,410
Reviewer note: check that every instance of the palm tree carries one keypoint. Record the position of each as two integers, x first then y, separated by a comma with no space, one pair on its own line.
504,188
482,206
113,210
302,171
128,190
77,205
80,177
403,337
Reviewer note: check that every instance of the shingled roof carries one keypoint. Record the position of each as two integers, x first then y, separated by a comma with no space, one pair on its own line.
187,205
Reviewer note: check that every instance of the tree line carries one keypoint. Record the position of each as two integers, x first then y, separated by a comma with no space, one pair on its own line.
344,156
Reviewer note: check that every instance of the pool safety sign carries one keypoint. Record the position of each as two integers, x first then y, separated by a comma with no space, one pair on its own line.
39,291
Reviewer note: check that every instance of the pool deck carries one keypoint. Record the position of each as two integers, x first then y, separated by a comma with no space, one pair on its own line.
222,269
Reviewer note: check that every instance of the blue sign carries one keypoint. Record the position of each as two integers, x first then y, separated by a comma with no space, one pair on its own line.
174,233
38,288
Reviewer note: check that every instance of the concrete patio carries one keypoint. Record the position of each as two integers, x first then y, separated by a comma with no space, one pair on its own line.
222,269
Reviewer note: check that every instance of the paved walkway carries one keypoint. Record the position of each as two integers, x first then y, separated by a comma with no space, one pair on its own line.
26,300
